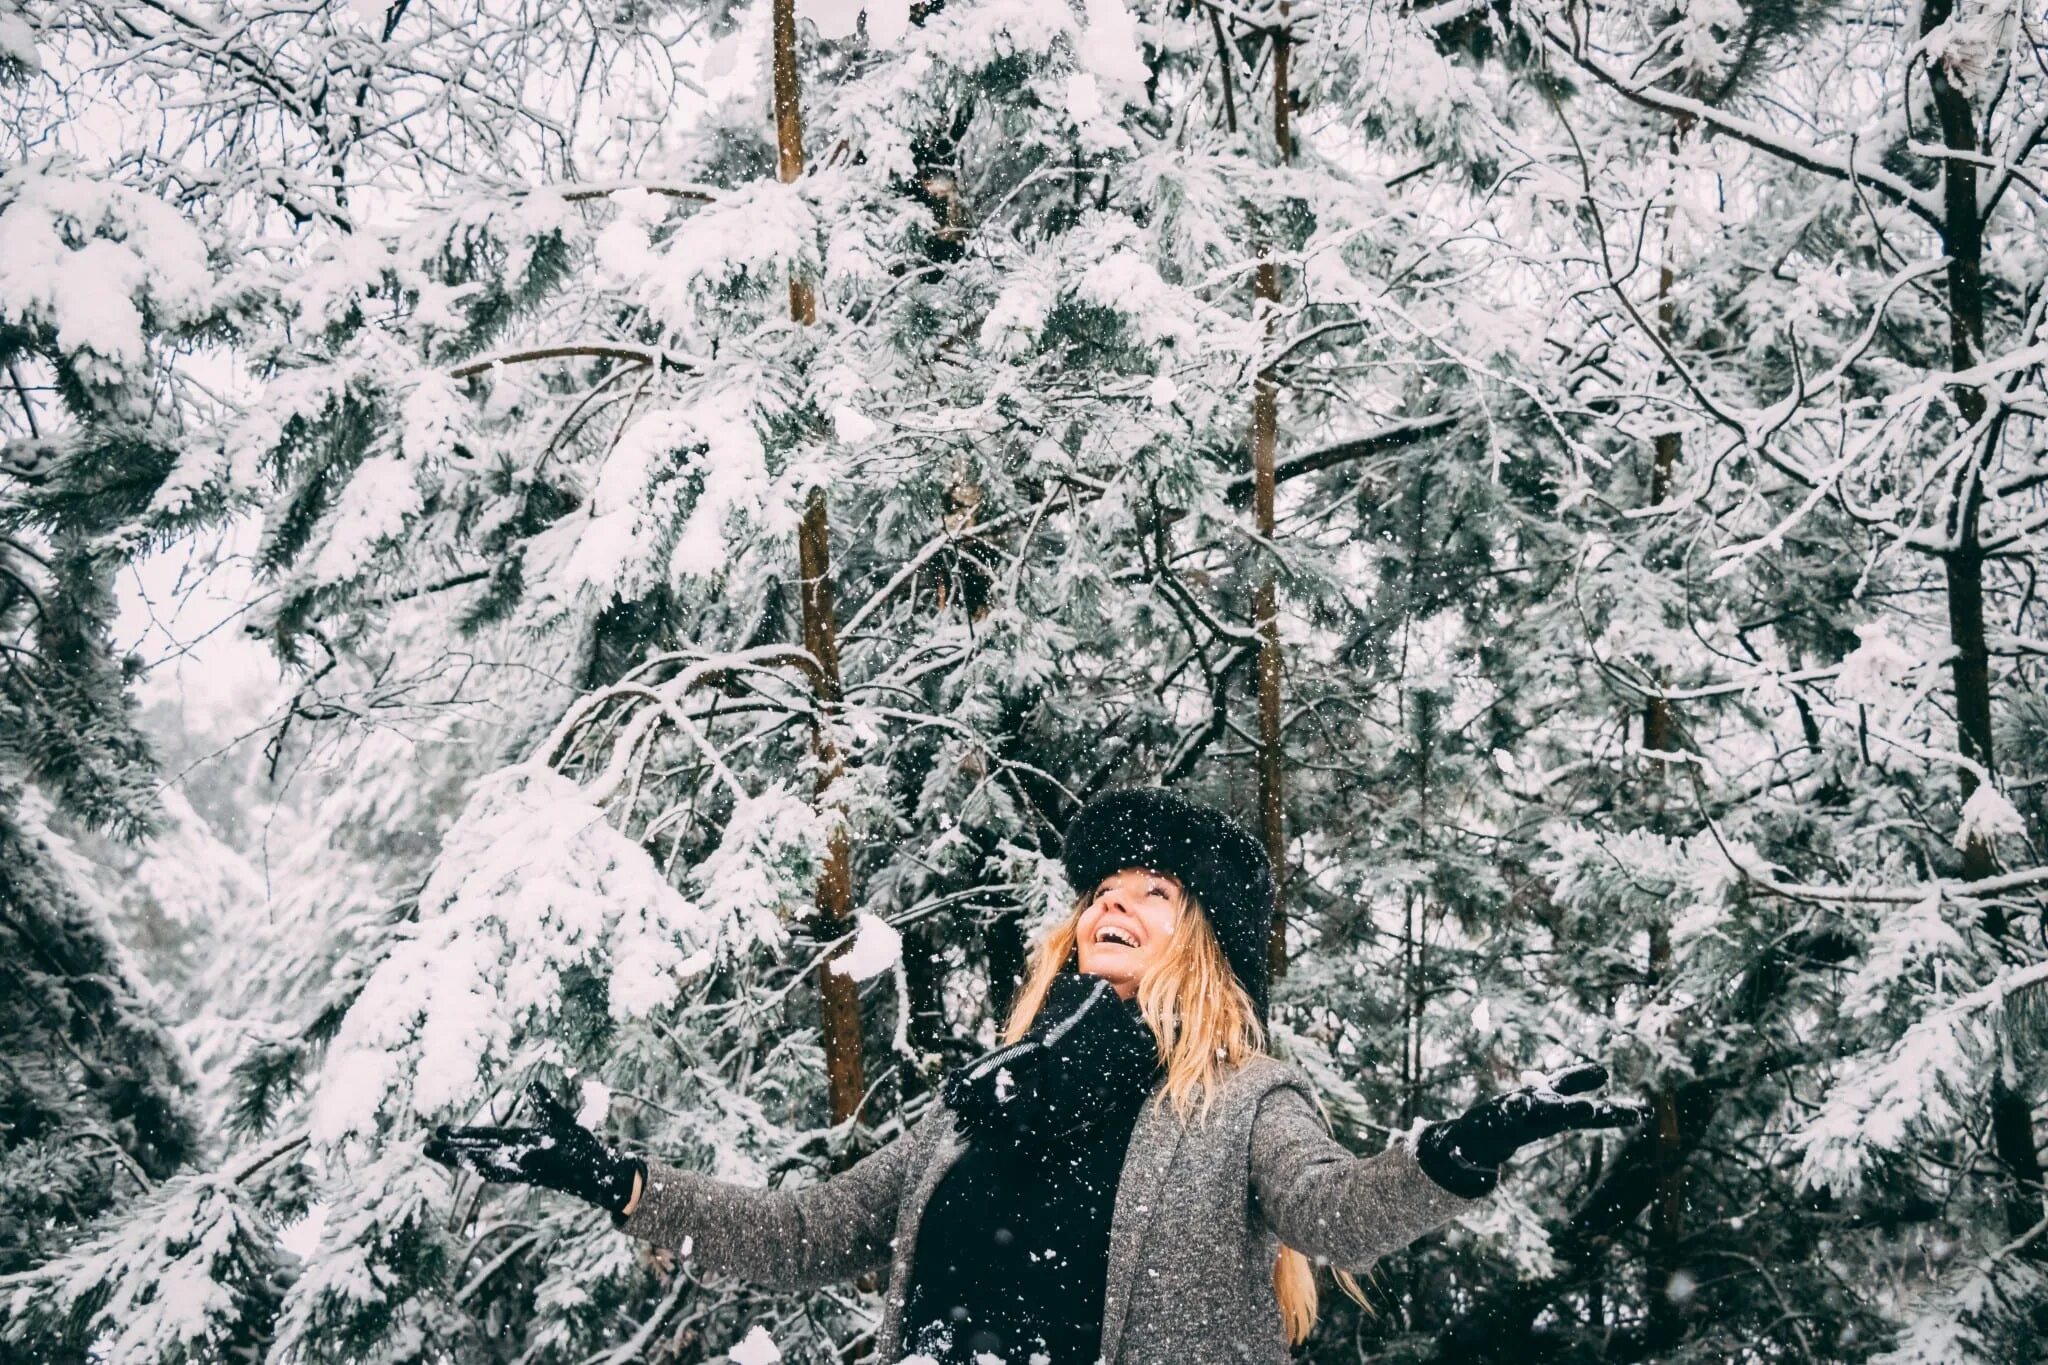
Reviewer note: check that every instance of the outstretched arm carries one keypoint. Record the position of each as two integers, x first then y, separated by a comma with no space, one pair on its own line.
1465,1153
1325,1201
1322,1200
834,1230
837,1229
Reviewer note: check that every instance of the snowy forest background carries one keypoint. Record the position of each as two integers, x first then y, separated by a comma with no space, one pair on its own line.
527,526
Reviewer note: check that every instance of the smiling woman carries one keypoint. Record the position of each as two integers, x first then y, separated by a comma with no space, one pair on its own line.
1130,1177
1127,924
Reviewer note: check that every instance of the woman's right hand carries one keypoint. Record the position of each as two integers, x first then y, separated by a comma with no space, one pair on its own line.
559,1154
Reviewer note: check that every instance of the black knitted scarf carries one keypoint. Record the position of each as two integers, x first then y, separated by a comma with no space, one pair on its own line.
1012,1255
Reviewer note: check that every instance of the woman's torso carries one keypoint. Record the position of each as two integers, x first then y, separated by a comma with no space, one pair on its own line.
1188,1267
1013,1257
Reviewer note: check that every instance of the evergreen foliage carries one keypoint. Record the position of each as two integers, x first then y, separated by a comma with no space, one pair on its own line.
1659,511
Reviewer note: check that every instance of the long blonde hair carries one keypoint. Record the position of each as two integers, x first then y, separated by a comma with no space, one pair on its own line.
1206,1023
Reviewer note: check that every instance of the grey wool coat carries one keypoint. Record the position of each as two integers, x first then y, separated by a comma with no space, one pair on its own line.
1201,1212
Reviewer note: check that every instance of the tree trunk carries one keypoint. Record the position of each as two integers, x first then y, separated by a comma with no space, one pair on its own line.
838,994
1265,437
789,140
2012,1118
1660,736
924,981
1667,1227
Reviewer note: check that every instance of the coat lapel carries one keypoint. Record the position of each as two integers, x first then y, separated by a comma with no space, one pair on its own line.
945,1149
1155,1139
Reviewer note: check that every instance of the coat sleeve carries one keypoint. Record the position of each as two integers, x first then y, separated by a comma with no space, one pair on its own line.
1325,1201
793,1239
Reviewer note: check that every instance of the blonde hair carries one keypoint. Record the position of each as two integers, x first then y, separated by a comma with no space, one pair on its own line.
1206,1023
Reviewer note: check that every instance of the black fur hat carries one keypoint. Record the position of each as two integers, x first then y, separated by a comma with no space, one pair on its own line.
1209,852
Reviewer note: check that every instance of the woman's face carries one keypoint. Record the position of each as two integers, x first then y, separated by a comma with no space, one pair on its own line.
1134,905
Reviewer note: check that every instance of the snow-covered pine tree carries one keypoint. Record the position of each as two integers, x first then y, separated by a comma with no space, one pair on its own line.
111,1248
130,284
1583,593
1032,417
1616,414
1783,397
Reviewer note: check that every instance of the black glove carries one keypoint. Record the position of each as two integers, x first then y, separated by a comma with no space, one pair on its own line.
561,1154
1086,1052
1464,1154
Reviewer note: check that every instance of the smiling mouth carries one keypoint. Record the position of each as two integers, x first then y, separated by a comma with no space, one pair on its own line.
1112,934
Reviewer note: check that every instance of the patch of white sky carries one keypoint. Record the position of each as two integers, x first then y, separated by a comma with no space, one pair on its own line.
180,611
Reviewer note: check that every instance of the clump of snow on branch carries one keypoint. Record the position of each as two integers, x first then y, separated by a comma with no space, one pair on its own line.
1013,322
976,35
1908,940
1876,672
1986,815
1702,33
735,472
181,1282
836,19
758,1348
613,540
1121,279
1112,74
372,510
1967,44
765,869
1941,1323
17,44
392,1211
1922,1081
876,947
1691,879
86,259
1041,885
700,465
761,229
1509,1225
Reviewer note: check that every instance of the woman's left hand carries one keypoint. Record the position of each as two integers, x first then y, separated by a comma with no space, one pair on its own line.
1464,1154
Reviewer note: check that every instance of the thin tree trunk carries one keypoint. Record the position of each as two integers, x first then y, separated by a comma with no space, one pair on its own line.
1660,736
838,994
924,980
1669,1223
2012,1118
789,140
1265,438
1411,969
1424,732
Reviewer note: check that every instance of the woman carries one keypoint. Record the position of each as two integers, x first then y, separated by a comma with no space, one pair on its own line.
1131,1176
